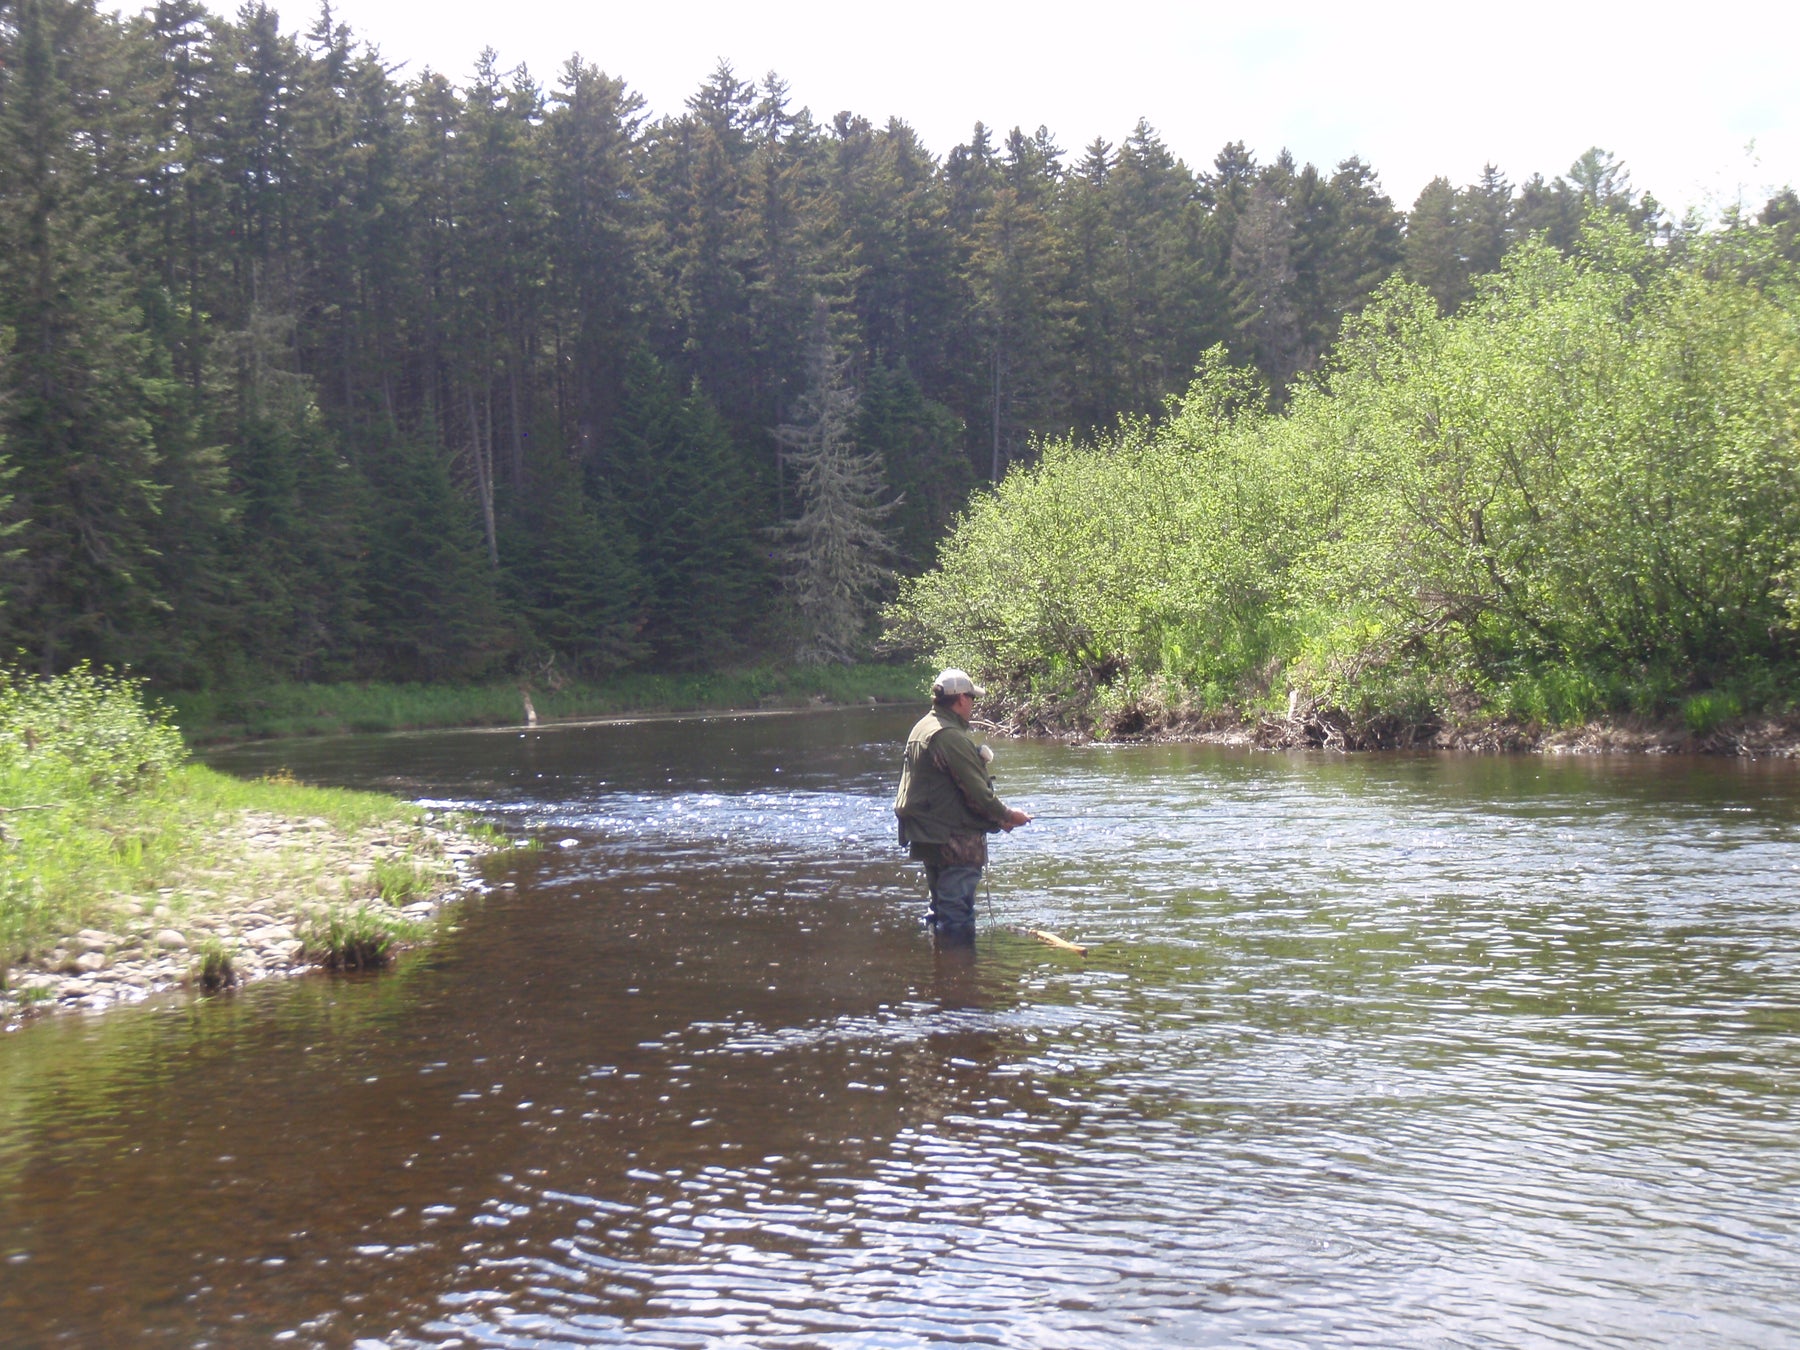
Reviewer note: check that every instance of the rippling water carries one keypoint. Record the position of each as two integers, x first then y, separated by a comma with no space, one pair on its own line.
1372,1051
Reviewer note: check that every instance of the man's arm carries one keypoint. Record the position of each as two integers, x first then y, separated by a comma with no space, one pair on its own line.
959,757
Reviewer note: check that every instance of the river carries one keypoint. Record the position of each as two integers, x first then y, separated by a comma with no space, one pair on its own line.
1378,1050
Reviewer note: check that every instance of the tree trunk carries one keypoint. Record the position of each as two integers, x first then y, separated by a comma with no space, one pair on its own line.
994,473
518,429
483,447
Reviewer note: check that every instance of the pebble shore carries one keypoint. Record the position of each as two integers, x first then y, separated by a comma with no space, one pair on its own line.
286,875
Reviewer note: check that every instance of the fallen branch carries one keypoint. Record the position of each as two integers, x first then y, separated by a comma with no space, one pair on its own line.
1052,940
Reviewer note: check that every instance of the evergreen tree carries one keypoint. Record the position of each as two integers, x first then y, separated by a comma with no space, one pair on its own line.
1015,275
433,612
700,169
902,258
1552,209
290,552
1456,235
1262,270
1484,230
687,502
1368,245
1165,303
1434,256
569,571
1096,382
10,522
837,550
790,252
598,281
919,442
78,417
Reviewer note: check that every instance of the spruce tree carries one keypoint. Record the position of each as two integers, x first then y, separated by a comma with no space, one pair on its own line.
569,571
919,442
890,214
1433,246
1262,270
1483,230
432,613
1016,282
1552,209
1368,245
686,497
598,282
78,416
836,551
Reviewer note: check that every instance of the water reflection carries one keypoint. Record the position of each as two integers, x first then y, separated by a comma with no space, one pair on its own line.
1367,1051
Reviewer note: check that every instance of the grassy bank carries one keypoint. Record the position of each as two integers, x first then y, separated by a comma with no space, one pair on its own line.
105,830
320,709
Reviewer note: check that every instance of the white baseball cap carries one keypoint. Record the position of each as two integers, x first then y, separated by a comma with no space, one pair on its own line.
954,682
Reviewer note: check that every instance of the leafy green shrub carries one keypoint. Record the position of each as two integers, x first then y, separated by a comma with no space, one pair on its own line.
1579,494
82,733
74,752
1704,713
1558,696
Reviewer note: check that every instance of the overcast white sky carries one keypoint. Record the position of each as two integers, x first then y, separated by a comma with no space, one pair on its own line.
1415,89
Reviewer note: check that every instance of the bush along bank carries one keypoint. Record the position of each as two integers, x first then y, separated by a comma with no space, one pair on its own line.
125,870
1568,513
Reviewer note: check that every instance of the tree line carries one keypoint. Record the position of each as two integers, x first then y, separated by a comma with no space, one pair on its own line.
315,369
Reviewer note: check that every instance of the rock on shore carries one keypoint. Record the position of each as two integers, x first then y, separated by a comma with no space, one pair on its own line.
286,876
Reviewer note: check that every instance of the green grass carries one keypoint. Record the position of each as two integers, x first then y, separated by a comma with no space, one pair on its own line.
361,937
320,709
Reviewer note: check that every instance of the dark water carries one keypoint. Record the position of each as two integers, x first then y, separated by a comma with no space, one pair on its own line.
1372,1051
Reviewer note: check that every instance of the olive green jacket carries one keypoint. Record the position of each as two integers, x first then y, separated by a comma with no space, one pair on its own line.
945,794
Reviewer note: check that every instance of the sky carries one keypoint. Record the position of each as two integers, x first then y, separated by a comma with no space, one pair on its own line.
1702,104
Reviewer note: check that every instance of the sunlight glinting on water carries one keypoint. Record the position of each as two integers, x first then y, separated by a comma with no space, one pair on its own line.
1396,1051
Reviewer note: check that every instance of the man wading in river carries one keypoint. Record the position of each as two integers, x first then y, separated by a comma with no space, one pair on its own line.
946,803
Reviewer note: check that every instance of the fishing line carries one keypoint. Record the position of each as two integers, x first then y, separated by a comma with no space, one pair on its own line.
1049,939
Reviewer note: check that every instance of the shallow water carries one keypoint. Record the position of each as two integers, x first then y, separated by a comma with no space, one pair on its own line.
1368,1051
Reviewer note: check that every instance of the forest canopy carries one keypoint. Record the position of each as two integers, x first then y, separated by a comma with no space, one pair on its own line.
313,369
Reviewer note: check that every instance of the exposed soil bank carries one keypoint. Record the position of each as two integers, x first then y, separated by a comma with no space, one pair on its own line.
262,916
1332,729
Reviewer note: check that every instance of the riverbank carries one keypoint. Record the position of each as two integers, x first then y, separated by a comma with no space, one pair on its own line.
224,882
215,716
1769,736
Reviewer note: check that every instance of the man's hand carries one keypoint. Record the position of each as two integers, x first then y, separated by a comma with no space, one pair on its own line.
1014,819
